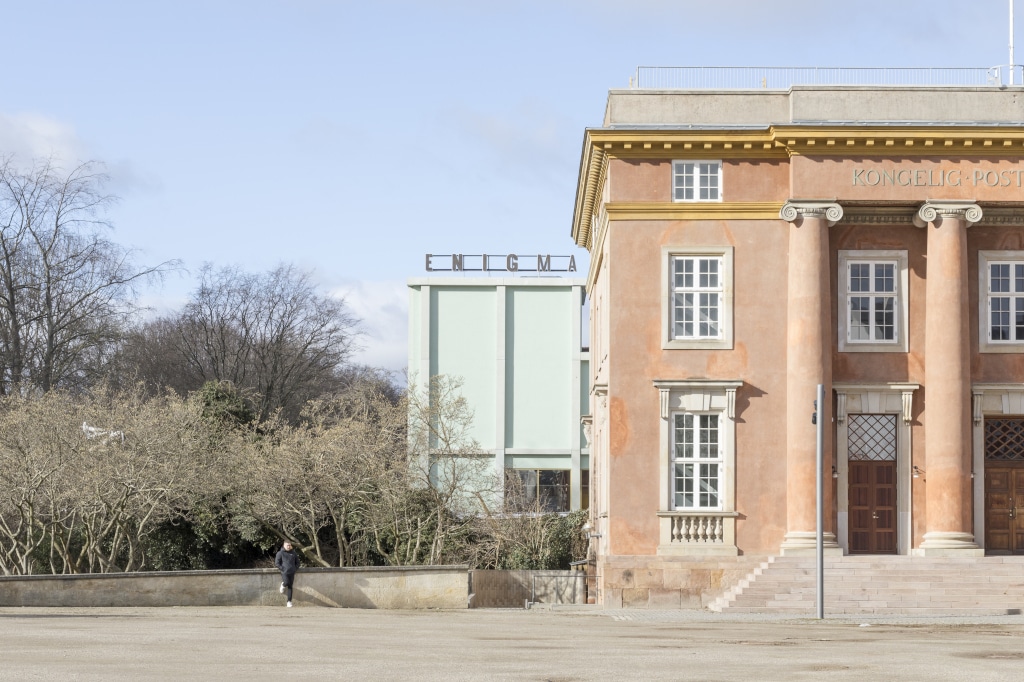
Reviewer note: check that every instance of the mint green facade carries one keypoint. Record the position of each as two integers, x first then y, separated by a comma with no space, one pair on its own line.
516,344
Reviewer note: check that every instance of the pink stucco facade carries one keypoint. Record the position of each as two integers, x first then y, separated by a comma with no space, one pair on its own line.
920,418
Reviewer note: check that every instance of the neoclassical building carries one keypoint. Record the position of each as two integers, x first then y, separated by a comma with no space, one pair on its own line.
749,245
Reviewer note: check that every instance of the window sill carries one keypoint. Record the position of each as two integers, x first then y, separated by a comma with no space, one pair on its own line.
1016,347
873,348
697,344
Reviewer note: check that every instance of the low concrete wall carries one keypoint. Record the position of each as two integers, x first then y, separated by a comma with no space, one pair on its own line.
512,589
418,587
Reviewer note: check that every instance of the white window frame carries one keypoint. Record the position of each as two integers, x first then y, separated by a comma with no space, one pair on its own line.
901,310
724,339
986,259
700,438
705,172
698,396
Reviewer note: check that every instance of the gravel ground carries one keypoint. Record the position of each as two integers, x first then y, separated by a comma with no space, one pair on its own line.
557,644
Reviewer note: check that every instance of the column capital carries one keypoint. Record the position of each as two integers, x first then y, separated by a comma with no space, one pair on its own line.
828,210
930,211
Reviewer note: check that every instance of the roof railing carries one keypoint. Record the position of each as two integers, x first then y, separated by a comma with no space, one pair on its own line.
784,77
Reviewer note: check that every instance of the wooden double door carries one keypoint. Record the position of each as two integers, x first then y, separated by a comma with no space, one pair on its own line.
872,510
872,454
1004,485
1004,508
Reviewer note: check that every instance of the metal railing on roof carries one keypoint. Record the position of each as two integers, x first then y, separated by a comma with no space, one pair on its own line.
783,77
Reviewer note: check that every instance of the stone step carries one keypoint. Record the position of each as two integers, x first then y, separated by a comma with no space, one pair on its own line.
865,585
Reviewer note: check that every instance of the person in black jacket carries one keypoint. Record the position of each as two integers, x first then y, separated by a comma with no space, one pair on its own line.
287,561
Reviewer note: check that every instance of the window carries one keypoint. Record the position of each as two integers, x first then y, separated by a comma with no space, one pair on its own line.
1001,304
696,180
698,299
545,490
873,305
697,479
1005,301
696,461
871,302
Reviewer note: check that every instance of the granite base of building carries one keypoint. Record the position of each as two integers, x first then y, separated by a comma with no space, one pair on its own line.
659,582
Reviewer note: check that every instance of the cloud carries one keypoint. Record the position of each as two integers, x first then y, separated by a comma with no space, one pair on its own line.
528,141
32,136
383,307
126,177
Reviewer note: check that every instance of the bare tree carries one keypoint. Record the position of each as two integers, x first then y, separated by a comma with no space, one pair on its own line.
67,293
273,334
313,483
85,480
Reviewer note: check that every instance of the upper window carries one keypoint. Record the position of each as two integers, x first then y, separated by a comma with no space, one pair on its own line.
698,311
871,301
696,461
696,297
696,180
873,306
1004,287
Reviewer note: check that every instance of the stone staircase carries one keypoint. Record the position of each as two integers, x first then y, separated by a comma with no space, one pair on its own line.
865,585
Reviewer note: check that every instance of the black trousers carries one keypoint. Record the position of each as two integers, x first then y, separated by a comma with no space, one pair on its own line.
287,579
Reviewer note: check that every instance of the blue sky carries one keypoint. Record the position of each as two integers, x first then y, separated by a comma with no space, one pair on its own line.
352,138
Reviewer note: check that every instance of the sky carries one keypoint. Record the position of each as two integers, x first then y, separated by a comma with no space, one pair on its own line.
353,138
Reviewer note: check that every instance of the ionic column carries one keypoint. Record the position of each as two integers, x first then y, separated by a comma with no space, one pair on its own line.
947,379
808,363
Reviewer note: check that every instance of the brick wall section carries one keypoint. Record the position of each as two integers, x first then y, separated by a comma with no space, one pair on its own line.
512,589
652,582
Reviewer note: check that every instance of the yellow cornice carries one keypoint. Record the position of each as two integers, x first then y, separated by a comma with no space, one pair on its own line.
774,142
903,141
674,144
749,210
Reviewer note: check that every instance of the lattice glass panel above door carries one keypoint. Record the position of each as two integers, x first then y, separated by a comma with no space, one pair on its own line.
1004,439
872,437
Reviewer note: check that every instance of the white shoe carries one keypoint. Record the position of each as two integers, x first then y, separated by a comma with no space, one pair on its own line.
282,588
289,605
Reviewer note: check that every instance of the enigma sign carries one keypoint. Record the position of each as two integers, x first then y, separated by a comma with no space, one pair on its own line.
936,177
511,262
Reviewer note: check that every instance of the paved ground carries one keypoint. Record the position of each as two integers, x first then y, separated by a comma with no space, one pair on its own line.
303,643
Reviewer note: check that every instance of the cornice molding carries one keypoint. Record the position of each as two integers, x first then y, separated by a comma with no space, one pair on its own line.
751,210
782,141
778,142
903,141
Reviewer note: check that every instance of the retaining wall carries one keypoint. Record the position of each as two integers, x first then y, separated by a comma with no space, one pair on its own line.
426,587
512,589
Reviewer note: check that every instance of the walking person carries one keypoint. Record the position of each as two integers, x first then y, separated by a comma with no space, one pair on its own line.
287,561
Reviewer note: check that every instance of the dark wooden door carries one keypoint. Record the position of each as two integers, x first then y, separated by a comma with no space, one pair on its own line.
872,507
1004,504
